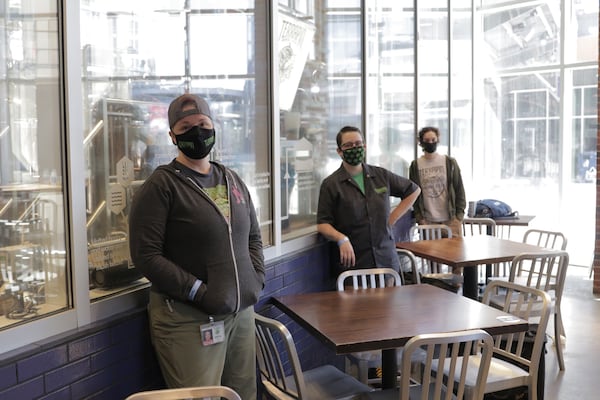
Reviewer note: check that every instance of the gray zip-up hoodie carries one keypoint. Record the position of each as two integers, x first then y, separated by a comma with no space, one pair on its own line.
178,235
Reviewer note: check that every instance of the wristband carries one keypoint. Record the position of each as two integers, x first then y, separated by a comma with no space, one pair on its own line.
342,241
194,289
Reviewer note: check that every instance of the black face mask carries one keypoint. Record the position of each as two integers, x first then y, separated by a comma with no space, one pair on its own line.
196,142
429,147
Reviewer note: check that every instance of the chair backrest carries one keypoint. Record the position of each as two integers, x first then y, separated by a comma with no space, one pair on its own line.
553,240
547,239
430,232
454,345
200,392
478,226
369,278
546,271
407,255
473,226
527,303
276,351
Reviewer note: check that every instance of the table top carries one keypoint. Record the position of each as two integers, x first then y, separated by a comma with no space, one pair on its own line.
384,318
469,251
519,220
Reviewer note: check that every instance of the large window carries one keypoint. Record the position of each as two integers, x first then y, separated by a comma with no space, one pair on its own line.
131,72
540,113
33,263
320,90
390,85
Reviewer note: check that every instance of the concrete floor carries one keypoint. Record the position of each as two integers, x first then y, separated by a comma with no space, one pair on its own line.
581,315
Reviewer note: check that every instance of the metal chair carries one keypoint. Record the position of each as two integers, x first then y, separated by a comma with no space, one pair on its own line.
369,278
543,238
478,226
546,239
364,279
415,277
432,272
282,375
546,271
510,366
200,392
552,240
459,348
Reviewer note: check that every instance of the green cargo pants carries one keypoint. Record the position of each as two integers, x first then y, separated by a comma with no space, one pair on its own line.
185,361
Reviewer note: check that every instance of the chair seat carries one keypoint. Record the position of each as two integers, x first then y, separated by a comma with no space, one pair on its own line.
197,392
394,394
373,360
522,280
497,301
325,382
502,375
373,356
448,281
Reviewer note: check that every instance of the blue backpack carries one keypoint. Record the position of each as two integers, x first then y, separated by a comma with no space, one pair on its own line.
490,208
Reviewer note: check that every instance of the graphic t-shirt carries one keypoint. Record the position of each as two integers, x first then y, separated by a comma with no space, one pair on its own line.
214,185
434,187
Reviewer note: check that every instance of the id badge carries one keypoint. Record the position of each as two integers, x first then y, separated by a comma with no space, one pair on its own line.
212,333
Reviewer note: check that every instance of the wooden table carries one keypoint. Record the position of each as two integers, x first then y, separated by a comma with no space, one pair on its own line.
520,220
468,252
386,318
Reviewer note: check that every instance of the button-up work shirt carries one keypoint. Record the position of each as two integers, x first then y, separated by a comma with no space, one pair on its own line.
363,217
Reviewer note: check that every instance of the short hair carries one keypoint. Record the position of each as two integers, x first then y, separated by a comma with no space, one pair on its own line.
345,129
426,129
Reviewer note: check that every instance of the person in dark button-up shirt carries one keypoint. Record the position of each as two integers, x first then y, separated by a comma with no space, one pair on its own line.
354,207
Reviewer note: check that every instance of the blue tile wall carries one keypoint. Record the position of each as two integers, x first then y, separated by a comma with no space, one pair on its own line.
113,359
8,376
108,361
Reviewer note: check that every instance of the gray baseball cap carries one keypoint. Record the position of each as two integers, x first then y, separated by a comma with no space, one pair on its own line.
176,108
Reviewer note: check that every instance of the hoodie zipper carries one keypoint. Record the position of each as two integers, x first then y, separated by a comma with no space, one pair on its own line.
229,230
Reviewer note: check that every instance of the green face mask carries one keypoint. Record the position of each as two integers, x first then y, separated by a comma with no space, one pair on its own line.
354,156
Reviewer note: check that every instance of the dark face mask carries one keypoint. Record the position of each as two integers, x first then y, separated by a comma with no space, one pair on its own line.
429,147
196,142
354,156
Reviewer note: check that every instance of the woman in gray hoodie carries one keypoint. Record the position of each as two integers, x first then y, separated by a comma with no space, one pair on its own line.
194,234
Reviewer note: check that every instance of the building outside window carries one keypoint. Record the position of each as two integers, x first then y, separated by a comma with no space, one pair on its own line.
538,67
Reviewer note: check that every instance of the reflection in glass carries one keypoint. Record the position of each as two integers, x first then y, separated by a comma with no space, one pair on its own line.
390,85
433,91
584,125
583,38
33,278
131,72
523,36
319,55
461,89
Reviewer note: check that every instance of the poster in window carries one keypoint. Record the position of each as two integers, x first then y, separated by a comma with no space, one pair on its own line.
295,40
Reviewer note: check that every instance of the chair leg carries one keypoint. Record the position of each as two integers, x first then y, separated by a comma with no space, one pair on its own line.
561,326
532,393
558,342
363,371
